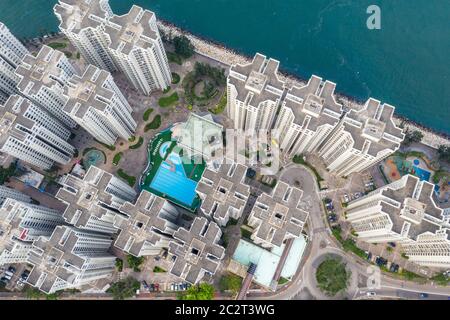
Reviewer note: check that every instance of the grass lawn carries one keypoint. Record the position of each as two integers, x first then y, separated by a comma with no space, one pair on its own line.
173,57
57,45
175,78
129,179
117,158
138,144
169,100
220,107
157,269
147,113
155,124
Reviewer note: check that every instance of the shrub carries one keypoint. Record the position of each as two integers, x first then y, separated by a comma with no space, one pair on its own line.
203,291
157,269
138,144
174,58
135,262
129,179
147,113
124,289
175,78
155,124
183,46
117,158
230,282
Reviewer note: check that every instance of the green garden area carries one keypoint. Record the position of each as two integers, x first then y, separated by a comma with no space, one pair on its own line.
160,152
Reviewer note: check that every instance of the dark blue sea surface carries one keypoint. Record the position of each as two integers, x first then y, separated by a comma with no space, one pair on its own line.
406,63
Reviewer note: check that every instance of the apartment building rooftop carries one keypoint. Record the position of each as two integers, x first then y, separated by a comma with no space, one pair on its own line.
224,190
142,224
314,104
87,91
373,129
40,71
258,81
130,30
75,15
415,211
276,216
87,197
196,250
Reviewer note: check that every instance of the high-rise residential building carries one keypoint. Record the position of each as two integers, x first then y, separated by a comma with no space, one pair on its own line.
223,192
196,250
361,139
30,134
404,212
277,217
137,49
307,116
70,258
148,226
130,43
22,223
93,202
83,23
254,93
95,102
42,80
6,192
12,52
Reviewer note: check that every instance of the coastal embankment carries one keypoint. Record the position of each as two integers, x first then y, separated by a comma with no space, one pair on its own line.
229,57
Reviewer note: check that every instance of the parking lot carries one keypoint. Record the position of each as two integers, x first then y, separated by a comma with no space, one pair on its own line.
13,277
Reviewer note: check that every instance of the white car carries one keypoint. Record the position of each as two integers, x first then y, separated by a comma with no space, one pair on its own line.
371,293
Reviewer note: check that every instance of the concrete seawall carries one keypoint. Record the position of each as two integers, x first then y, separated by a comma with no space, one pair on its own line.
229,57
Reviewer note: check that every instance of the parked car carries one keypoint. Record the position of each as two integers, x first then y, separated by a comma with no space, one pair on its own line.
346,198
145,285
369,256
174,258
24,275
371,293
165,254
4,280
172,287
12,269
152,287
392,244
423,295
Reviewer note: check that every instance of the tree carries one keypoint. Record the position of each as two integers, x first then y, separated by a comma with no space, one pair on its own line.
203,291
124,289
6,173
183,46
230,282
135,262
119,264
444,152
332,276
412,136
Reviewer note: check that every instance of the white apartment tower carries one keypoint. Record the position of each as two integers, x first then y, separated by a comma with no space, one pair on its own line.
147,227
361,139
42,80
30,134
277,217
6,192
20,224
254,93
70,258
94,201
95,102
307,116
83,23
404,212
130,43
11,53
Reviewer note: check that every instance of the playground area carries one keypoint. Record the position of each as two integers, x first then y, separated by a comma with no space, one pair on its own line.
171,175
396,167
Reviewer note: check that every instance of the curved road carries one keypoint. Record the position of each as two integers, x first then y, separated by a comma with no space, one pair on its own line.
322,243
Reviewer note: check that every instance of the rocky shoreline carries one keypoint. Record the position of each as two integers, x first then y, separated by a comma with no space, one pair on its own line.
227,56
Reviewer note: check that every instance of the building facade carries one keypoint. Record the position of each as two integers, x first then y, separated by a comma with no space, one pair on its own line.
12,52
130,43
30,134
276,217
224,193
254,93
95,102
69,258
404,212
42,80
22,223
147,227
6,192
93,202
